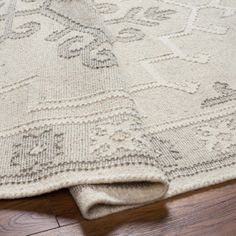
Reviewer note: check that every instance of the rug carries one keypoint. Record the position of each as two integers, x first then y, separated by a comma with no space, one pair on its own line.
124,102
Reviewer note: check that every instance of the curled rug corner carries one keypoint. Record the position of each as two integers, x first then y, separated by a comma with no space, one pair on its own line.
99,200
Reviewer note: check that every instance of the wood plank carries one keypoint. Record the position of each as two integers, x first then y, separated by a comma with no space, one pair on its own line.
211,212
25,216
69,230
64,207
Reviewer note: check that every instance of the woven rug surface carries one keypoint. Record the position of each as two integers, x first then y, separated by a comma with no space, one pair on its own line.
124,102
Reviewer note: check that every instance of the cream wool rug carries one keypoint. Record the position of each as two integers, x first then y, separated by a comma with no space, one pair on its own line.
125,102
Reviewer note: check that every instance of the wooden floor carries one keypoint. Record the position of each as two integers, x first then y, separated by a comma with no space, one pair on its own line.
210,211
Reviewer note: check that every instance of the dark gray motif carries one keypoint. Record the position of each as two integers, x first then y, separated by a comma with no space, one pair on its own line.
151,16
106,8
95,48
130,35
25,30
138,16
226,94
154,13
37,150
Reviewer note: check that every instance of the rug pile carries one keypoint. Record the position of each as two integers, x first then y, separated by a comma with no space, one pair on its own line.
124,102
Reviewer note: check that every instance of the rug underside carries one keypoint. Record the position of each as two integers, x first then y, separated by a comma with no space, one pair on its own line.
123,102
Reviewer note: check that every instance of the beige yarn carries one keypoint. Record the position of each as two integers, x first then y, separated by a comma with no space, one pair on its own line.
124,101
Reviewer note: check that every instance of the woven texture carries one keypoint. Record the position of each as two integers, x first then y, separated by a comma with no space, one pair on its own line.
123,101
